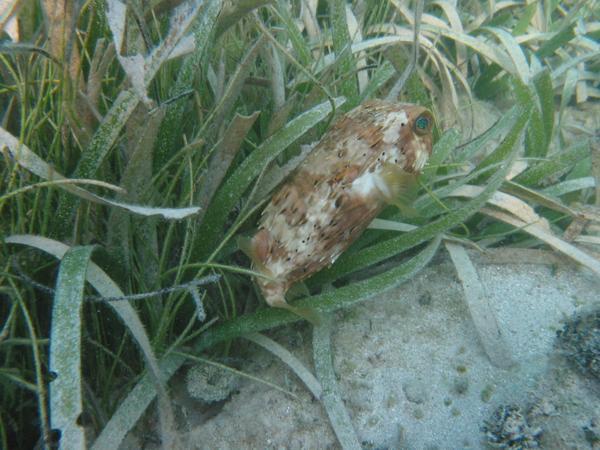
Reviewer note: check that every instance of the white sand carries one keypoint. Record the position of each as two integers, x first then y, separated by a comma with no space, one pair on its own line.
414,374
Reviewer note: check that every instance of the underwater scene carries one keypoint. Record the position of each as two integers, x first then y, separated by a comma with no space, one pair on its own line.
299,224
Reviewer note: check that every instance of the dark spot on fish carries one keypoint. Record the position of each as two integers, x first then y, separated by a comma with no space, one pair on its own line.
338,201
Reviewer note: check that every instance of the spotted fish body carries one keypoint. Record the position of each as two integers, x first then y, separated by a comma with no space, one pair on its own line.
365,161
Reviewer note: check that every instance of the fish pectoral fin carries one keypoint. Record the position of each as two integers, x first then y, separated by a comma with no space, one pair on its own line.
401,188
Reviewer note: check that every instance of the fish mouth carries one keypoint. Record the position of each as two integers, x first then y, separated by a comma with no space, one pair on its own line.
422,152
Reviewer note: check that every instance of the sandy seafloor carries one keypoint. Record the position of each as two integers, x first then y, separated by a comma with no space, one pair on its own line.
414,374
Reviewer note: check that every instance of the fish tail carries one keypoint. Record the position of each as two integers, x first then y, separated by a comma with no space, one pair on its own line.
249,247
306,313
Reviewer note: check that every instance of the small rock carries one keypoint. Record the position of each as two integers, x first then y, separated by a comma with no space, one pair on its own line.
592,434
415,391
460,385
508,428
209,383
580,342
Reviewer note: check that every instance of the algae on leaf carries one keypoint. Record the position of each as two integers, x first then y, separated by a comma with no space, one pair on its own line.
66,397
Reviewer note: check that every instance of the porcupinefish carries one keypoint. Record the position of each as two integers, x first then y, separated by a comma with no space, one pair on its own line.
369,158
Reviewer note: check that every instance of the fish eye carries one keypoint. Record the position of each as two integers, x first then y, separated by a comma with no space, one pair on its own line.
423,124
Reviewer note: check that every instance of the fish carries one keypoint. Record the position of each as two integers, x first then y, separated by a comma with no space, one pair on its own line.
370,157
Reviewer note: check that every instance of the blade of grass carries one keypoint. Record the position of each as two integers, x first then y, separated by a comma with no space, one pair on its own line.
332,400
524,20
560,39
239,373
441,151
468,151
545,93
505,201
236,11
514,51
477,44
536,144
382,75
66,398
106,287
134,405
233,89
141,69
482,314
452,14
544,235
578,184
170,129
414,57
542,198
568,89
27,159
223,155
38,363
52,183
558,164
11,376
102,141
502,151
288,358
300,45
342,48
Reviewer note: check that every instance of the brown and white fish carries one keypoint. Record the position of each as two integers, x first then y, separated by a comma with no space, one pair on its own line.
369,158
